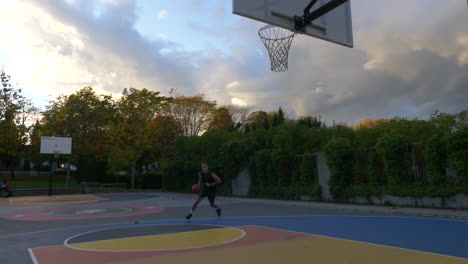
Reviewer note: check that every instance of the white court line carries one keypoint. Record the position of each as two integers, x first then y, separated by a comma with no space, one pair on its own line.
234,217
33,257
369,243
169,249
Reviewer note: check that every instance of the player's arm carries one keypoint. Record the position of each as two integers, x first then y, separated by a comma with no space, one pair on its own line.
216,178
199,178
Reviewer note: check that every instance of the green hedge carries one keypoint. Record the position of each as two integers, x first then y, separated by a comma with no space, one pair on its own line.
338,153
393,147
458,153
435,155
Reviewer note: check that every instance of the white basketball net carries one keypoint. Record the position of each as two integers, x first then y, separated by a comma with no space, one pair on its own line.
277,40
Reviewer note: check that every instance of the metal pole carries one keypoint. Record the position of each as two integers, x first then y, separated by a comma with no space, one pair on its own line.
68,172
301,21
323,10
309,6
50,175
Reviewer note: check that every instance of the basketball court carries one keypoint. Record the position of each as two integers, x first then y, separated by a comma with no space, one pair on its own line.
150,228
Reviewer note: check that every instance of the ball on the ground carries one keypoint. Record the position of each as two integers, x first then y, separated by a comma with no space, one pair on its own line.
196,188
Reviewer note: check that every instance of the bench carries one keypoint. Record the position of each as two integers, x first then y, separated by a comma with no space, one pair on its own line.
90,186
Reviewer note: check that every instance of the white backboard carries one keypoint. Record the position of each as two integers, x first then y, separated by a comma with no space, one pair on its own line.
335,26
56,145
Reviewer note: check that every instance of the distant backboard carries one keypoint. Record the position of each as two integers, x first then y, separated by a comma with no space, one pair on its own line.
335,26
56,145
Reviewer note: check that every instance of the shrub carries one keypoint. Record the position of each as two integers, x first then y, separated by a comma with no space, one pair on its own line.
338,153
393,147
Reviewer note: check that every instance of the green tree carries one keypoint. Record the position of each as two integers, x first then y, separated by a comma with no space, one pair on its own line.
17,117
221,119
193,114
84,116
259,120
133,129
280,116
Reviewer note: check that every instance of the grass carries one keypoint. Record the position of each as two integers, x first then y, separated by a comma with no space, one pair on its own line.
40,182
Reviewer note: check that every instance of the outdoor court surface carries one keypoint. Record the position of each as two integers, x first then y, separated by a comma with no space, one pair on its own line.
151,228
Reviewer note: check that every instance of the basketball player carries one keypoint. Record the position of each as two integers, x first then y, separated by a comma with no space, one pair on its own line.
207,181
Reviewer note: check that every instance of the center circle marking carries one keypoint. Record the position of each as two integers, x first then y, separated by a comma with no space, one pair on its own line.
154,238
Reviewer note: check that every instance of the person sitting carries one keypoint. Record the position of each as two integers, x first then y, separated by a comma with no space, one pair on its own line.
4,188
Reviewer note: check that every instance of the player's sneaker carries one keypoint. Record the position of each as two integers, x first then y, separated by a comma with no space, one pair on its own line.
188,216
218,211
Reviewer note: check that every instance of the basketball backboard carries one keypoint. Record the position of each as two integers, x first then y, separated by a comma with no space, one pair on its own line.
335,26
56,145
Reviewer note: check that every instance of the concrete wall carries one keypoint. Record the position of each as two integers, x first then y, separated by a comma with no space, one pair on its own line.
323,176
241,183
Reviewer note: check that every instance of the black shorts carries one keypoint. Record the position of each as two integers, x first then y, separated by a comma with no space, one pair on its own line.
210,194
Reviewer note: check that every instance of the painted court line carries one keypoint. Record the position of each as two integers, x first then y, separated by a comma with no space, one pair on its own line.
33,257
369,243
221,227
234,217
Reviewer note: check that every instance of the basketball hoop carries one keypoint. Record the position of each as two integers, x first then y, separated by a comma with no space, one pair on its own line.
277,40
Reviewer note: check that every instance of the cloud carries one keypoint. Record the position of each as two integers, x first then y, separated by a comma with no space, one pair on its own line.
399,67
163,14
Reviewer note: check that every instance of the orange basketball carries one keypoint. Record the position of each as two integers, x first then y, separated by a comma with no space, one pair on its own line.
196,188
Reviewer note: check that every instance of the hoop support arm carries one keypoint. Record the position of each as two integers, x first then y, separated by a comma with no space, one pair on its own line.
301,21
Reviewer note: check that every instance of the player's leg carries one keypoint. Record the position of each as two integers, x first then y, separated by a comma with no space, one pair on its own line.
194,206
211,198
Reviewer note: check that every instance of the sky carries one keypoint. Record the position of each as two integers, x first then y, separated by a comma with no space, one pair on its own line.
409,57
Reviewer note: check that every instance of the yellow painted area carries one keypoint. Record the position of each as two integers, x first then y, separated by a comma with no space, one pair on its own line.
49,200
183,240
304,250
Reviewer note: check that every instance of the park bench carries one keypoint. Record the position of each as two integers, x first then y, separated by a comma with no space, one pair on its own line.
90,186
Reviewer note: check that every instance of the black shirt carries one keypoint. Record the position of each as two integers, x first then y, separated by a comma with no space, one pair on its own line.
207,178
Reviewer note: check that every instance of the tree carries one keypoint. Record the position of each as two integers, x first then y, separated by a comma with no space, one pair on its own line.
280,116
369,123
239,115
17,116
132,128
221,119
258,119
192,114
309,121
83,116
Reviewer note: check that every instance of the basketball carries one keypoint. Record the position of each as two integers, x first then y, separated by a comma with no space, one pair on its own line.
196,188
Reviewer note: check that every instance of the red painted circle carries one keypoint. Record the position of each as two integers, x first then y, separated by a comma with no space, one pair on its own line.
119,211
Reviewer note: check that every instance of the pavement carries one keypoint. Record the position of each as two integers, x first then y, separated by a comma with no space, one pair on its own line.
150,227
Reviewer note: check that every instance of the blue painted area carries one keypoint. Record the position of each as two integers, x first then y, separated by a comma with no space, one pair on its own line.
445,237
